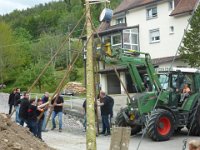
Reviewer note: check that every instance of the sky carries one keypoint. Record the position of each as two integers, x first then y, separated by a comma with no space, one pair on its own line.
7,6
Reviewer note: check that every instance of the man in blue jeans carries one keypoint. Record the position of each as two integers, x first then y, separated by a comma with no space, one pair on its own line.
105,112
45,99
16,104
57,104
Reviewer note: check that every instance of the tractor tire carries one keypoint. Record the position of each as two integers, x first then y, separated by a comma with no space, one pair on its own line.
160,125
194,121
121,122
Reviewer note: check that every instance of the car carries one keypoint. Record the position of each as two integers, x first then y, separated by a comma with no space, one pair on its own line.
68,92
2,86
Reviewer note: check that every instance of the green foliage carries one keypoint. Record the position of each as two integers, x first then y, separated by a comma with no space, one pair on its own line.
190,51
29,38
28,76
11,56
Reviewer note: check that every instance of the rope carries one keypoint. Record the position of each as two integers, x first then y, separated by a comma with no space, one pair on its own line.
61,85
118,76
62,45
59,49
69,68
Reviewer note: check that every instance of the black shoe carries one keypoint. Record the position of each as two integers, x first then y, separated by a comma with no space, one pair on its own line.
52,128
106,134
60,130
102,133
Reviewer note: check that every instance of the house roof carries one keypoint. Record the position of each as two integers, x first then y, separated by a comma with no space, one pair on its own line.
158,61
105,28
181,6
184,6
130,4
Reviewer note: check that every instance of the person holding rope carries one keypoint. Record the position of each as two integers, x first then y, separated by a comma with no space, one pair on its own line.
24,105
32,113
40,119
106,104
57,104
45,99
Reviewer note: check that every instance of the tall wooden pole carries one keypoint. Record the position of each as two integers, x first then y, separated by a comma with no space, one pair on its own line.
91,129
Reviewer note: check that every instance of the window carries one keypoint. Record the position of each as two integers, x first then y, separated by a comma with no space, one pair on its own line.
154,35
116,40
171,30
119,21
131,39
151,12
171,5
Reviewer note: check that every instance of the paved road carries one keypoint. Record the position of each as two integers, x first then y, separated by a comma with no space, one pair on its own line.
69,141
76,141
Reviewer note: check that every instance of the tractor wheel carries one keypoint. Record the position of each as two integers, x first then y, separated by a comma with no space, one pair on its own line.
121,122
160,125
194,121
135,129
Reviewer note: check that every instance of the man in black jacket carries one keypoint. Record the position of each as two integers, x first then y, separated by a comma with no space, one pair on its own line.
106,104
24,106
11,100
16,104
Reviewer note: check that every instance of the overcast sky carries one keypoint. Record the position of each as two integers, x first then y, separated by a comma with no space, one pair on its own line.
7,6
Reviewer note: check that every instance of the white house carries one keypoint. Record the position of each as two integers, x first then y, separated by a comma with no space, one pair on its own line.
152,26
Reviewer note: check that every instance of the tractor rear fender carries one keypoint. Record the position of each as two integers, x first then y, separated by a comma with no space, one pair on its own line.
191,101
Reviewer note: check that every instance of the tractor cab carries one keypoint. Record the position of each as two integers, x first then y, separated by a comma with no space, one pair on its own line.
181,84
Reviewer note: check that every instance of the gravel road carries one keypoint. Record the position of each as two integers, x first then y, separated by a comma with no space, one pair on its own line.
72,137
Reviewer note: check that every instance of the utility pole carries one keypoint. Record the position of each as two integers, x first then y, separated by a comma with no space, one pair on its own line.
91,129
69,44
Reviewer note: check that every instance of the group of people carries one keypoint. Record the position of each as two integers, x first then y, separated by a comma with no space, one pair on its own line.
106,104
33,111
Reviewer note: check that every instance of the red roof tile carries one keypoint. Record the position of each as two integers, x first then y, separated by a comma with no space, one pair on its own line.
184,6
181,6
130,4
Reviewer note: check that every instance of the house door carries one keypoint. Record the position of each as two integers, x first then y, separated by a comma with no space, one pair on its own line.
113,84
129,84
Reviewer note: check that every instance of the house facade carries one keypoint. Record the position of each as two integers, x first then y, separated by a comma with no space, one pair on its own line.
152,26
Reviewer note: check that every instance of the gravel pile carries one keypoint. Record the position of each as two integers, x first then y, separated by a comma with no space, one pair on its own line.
73,124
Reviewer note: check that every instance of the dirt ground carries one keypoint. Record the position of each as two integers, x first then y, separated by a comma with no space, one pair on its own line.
15,137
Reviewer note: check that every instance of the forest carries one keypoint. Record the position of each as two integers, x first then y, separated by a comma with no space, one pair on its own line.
29,38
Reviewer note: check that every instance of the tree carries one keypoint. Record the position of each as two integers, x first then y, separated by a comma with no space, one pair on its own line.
23,37
29,75
190,51
11,57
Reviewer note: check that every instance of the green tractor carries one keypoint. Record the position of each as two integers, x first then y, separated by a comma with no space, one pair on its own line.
159,104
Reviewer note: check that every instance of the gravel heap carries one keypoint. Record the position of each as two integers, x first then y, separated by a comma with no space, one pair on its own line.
15,137
73,124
